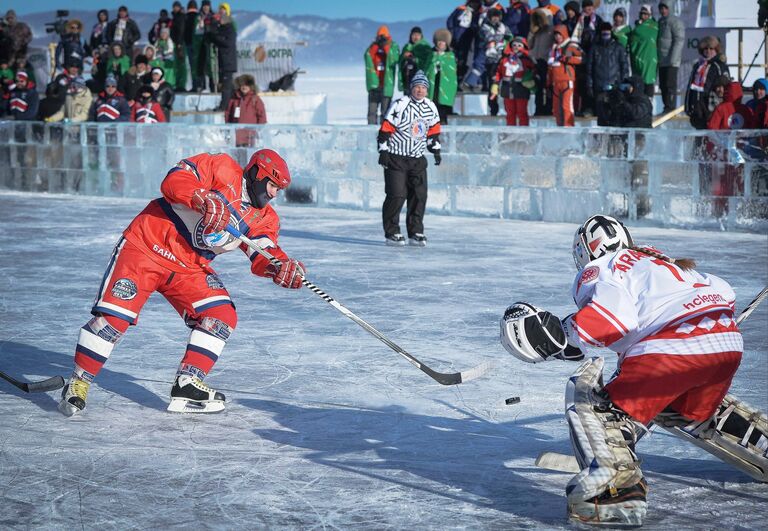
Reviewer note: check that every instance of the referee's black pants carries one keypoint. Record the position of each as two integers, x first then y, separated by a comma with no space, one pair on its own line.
405,179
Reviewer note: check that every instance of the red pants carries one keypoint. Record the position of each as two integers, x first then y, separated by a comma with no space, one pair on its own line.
517,111
131,277
692,385
562,105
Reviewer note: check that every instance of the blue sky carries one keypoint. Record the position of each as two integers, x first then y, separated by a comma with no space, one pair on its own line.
385,11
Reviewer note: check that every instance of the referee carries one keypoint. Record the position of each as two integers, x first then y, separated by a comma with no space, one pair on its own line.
410,125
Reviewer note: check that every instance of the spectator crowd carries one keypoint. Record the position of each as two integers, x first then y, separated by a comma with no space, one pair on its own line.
570,60
192,47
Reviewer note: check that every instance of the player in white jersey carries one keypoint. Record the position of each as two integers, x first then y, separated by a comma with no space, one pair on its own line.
679,346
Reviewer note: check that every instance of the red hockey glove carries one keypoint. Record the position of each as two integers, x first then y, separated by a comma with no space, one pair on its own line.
289,275
214,211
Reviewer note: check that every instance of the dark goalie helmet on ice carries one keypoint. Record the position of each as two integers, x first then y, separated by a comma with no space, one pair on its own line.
598,236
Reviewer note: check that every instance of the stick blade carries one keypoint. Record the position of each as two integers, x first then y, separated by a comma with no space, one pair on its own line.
454,378
51,384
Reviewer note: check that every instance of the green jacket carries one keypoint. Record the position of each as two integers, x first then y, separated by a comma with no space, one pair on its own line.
422,53
120,65
643,52
390,72
622,35
448,79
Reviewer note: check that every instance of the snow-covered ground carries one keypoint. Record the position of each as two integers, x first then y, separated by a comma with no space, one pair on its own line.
326,427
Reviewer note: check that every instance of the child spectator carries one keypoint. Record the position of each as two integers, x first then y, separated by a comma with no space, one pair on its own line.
758,104
165,49
561,76
118,63
731,113
513,81
245,107
146,110
442,75
163,91
110,105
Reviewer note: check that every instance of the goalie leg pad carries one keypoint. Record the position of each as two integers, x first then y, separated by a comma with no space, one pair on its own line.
737,434
602,436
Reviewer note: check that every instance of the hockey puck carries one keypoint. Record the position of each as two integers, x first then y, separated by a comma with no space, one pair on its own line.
512,400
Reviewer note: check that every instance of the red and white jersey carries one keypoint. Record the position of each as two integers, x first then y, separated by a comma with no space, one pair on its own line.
636,304
170,232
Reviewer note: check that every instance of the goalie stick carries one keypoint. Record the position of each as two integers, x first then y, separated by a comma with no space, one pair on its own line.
567,463
43,386
451,378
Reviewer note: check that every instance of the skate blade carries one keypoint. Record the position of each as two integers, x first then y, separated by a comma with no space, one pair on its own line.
68,409
625,515
179,405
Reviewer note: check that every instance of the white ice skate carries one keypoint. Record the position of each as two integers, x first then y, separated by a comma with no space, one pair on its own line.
191,395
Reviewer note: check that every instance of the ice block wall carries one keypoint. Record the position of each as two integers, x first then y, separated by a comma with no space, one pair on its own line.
666,177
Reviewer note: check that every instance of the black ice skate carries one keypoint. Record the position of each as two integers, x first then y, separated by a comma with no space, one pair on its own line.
395,240
73,396
191,395
417,240
622,507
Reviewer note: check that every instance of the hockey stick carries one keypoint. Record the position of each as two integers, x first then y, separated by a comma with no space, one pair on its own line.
440,377
43,386
567,463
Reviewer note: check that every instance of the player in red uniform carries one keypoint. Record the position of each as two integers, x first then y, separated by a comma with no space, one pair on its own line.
168,248
679,346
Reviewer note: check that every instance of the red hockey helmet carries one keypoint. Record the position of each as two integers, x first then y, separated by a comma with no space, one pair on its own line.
265,164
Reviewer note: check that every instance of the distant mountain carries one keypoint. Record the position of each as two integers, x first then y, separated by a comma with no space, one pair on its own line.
330,41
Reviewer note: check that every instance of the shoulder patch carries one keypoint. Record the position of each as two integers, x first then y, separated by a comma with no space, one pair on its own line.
589,274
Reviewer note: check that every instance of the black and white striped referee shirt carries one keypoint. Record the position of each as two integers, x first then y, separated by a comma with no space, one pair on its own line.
409,127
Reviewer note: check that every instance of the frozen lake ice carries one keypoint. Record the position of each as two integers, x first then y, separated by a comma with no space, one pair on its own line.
326,427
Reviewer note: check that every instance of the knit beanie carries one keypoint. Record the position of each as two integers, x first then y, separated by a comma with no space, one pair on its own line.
419,79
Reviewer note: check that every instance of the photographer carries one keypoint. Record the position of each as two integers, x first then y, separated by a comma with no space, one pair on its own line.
626,105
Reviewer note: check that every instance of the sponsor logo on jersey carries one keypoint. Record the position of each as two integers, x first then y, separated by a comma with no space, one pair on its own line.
214,282
165,253
708,298
124,289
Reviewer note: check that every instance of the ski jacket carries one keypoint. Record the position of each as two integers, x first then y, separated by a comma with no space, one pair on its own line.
606,64
420,53
562,61
169,230
518,19
374,65
515,76
671,41
106,108
23,103
731,113
702,80
147,113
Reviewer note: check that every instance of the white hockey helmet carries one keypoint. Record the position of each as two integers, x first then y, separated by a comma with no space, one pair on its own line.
531,334
598,236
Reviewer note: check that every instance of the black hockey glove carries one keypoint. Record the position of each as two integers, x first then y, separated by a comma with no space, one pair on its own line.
438,158
384,159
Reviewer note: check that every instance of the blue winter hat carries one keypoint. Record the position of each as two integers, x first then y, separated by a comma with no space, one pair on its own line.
762,81
111,81
419,79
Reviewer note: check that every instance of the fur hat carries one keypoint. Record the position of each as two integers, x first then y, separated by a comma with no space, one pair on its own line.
442,35
246,79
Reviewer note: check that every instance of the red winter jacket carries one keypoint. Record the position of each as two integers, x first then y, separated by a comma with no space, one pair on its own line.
248,109
731,113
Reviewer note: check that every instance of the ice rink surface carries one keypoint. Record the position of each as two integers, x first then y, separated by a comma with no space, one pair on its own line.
326,427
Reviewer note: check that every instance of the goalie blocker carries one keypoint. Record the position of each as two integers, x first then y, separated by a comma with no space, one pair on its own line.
533,335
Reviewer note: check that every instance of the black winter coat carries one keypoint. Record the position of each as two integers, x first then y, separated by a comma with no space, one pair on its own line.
607,64
177,28
224,37
164,95
130,36
697,102
189,27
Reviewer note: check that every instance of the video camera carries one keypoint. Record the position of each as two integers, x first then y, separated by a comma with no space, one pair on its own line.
60,24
